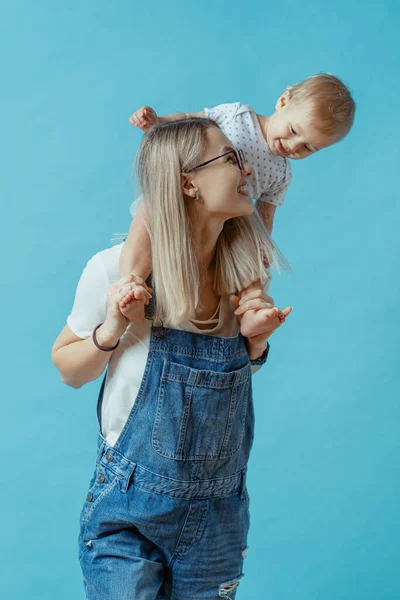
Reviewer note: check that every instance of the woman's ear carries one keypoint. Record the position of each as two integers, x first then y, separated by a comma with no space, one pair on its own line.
189,188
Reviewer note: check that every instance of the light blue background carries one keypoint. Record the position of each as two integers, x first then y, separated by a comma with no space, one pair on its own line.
324,473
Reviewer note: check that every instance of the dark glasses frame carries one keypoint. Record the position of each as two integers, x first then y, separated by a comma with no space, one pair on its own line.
239,155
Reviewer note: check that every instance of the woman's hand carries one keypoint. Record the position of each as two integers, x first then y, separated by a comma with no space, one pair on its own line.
258,317
144,118
116,322
133,296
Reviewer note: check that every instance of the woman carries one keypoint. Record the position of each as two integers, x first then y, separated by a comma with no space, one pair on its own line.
166,515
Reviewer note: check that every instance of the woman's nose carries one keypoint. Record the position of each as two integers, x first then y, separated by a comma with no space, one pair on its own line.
247,169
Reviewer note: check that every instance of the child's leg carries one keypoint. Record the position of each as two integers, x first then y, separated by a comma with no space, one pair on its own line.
136,255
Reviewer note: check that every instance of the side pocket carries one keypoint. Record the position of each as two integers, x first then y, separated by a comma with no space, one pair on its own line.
102,483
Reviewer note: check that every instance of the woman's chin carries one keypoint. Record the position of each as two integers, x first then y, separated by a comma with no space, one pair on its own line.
245,205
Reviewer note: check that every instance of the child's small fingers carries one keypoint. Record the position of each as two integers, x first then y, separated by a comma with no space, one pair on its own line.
286,311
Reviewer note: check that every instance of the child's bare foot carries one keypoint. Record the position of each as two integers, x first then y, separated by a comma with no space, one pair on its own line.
257,314
263,322
133,296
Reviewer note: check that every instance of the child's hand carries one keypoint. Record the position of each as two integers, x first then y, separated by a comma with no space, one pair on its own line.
144,118
133,296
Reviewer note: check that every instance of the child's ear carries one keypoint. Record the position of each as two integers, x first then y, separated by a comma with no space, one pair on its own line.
188,186
283,100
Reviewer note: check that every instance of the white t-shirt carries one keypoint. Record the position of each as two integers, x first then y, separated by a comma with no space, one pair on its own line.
128,361
272,174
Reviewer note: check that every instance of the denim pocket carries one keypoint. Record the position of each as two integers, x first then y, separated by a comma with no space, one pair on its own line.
201,414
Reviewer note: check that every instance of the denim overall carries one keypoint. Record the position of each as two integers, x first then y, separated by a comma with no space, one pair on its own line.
167,513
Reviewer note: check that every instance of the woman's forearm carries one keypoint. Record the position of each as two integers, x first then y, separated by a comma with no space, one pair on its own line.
81,361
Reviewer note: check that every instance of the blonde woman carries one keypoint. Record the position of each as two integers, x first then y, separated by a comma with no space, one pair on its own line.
167,510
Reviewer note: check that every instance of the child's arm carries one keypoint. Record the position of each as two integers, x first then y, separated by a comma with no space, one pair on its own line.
267,213
136,252
145,117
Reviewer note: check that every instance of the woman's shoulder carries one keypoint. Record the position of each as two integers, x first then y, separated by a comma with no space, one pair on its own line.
107,260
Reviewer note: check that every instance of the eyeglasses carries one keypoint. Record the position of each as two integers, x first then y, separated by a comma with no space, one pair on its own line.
239,155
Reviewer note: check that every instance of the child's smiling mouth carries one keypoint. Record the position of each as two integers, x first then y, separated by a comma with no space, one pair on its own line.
282,148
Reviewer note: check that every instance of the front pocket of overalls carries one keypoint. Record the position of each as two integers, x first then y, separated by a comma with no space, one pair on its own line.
201,415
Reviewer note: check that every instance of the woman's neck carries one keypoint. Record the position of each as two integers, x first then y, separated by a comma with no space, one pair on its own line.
205,236
205,233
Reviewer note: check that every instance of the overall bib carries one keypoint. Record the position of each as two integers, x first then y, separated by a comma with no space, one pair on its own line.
167,513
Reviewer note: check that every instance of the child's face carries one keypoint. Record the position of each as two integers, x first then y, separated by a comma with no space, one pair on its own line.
291,132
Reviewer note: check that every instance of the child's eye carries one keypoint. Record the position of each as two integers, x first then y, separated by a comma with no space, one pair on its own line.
292,130
308,149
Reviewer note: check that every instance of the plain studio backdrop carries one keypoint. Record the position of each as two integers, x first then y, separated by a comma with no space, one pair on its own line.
324,470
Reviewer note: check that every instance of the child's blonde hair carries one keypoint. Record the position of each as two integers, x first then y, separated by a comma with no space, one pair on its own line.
331,103
242,247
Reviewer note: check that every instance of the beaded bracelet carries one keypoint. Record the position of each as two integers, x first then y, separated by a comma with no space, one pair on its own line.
96,343
261,359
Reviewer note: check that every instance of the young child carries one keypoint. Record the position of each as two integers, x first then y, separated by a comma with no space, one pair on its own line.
309,116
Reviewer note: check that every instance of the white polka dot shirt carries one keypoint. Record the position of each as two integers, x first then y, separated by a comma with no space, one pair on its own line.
272,174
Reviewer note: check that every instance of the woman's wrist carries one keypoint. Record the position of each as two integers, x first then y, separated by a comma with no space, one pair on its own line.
107,336
256,350
258,361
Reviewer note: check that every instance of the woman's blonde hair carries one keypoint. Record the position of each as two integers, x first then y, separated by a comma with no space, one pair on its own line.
242,247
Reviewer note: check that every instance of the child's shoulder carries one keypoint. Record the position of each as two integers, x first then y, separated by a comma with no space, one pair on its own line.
228,111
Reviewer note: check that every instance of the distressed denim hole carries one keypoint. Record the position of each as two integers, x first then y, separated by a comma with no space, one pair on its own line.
227,589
